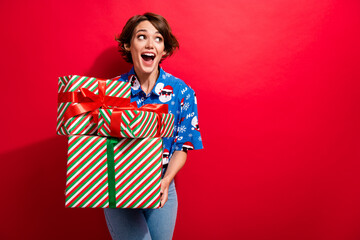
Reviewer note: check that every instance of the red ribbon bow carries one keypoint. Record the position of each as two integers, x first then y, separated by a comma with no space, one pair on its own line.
89,101
116,116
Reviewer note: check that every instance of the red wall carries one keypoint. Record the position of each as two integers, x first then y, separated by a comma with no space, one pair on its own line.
278,91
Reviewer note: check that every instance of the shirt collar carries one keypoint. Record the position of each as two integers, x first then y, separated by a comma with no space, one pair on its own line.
161,79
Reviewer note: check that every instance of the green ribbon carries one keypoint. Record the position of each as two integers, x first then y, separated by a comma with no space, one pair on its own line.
110,142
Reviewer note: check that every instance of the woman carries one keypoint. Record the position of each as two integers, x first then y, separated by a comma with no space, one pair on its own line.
145,41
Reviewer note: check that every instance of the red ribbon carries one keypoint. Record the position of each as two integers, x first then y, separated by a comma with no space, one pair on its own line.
89,101
116,116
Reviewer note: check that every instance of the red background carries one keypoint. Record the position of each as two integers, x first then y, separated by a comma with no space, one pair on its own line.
278,91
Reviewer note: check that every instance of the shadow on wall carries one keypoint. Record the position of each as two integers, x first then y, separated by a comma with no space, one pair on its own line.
34,207
35,178
108,64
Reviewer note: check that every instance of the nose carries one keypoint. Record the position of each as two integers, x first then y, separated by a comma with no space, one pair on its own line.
149,43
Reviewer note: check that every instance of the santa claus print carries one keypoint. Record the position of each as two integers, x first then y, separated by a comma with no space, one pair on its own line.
165,92
182,102
195,124
165,159
187,146
135,84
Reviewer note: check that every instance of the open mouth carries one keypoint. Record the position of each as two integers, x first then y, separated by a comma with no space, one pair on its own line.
148,57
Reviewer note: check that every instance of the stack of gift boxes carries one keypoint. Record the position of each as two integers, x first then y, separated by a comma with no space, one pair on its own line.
114,148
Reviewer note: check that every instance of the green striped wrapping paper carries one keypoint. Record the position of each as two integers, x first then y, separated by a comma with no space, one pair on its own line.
113,173
84,123
136,124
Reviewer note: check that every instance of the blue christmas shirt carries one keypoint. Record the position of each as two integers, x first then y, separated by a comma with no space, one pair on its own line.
181,100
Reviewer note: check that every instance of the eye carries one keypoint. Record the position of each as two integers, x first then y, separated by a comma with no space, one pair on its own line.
158,39
141,37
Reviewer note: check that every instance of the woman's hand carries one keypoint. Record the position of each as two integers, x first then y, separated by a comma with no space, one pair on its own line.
164,190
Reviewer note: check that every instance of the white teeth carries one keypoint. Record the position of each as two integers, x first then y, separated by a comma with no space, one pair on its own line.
149,54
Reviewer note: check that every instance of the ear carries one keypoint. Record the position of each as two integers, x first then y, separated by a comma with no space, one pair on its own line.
127,46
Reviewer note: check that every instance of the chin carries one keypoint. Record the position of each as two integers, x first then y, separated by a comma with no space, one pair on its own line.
149,69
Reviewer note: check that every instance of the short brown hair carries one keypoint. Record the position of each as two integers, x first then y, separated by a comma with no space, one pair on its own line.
159,22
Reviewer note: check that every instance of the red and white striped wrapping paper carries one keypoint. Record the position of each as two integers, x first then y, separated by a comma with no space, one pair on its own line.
136,124
84,123
134,166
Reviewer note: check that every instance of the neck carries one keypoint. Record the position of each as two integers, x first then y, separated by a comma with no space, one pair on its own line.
147,80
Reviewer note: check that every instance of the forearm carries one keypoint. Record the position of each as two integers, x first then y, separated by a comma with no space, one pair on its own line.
176,163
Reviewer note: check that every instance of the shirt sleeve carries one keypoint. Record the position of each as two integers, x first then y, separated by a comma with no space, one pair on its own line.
188,135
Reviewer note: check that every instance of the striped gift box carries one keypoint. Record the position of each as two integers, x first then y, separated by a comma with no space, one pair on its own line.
84,123
136,124
113,173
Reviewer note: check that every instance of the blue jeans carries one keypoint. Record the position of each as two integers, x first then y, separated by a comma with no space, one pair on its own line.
144,224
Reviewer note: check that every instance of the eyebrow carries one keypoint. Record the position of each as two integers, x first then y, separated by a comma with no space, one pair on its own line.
144,30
